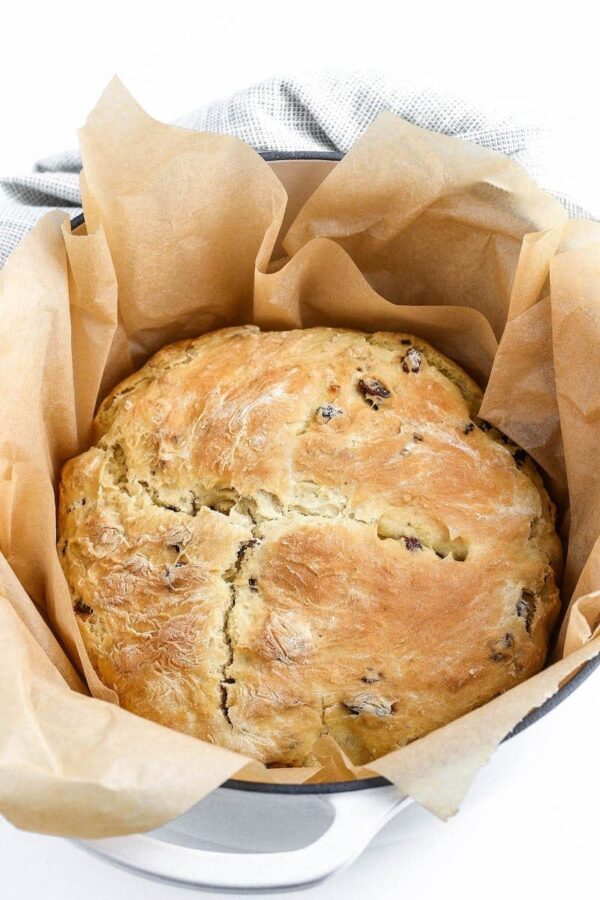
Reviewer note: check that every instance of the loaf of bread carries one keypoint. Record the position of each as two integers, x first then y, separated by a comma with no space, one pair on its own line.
279,535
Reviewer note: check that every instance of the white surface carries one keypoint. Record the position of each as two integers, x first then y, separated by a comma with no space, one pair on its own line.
530,823
528,828
55,59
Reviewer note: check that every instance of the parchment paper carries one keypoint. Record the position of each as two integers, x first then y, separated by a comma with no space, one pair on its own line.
412,230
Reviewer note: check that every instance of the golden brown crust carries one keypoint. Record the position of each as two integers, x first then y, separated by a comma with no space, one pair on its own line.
283,534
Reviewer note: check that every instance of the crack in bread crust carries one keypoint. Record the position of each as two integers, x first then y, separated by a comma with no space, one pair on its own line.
280,535
230,577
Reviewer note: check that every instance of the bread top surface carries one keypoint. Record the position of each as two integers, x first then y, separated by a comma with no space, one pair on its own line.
283,534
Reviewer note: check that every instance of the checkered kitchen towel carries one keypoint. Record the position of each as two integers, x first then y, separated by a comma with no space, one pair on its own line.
314,111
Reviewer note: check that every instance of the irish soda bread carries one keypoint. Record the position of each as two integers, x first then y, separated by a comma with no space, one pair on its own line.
280,535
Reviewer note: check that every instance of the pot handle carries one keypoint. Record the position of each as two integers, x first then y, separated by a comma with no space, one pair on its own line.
358,816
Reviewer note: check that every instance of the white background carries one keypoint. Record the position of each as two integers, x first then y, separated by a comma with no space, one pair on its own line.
530,823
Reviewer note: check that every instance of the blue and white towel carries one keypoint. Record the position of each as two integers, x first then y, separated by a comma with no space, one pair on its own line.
315,111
